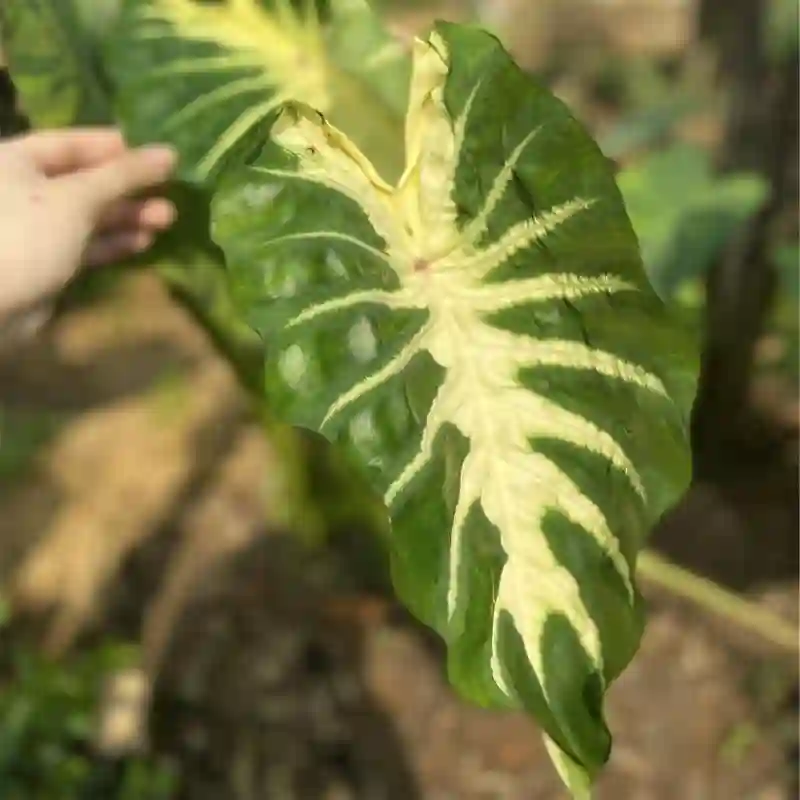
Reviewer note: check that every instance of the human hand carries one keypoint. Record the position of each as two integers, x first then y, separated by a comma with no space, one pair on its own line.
65,202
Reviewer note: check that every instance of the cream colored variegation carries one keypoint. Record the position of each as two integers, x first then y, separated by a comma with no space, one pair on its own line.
283,52
442,268
266,57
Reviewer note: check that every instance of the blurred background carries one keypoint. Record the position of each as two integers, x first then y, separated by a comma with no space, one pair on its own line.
165,633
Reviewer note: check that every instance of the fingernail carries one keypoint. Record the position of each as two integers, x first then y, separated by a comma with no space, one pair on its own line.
170,214
167,214
161,154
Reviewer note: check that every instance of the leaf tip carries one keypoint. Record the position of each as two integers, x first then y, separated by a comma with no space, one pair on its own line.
574,776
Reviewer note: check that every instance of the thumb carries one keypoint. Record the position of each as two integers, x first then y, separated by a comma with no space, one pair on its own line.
131,172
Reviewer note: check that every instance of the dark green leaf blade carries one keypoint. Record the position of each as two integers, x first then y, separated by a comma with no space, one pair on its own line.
52,48
482,339
209,77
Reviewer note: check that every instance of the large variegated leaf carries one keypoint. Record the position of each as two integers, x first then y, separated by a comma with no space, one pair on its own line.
482,340
209,76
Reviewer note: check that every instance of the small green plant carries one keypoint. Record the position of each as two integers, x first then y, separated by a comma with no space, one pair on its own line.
685,215
445,283
47,715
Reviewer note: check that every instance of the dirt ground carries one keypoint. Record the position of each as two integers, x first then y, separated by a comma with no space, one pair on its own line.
147,514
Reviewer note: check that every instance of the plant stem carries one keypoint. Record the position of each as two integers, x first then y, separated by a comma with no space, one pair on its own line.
712,597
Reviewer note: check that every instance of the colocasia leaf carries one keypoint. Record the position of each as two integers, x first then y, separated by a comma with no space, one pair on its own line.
481,338
207,77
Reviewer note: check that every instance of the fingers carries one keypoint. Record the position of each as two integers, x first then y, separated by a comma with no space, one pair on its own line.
61,151
127,228
154,214
111,247
130,172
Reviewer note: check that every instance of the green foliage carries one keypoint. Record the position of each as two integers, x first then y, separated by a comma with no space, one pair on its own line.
51,54
47,713
22,434
481,340
209,77
683,213
470,324
651,99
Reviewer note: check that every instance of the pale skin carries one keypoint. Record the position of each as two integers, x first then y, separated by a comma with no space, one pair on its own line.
74,198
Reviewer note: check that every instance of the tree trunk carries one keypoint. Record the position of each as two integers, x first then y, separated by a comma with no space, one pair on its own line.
734,31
